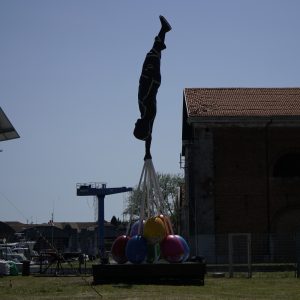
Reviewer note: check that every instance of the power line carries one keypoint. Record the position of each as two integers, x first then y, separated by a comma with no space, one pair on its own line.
12,204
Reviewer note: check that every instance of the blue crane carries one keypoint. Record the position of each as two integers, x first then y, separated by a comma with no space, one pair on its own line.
100,190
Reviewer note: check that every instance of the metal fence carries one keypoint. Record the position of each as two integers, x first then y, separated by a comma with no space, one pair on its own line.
246,250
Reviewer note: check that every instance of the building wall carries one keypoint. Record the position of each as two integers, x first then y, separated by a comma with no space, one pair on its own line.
284,191
231,187
240,183
199,173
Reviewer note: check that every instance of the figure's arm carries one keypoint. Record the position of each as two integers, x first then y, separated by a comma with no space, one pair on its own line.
148,146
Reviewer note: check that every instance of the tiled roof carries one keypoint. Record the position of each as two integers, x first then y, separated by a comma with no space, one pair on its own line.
242,102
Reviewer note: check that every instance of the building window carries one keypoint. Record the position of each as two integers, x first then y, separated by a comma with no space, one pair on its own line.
287,166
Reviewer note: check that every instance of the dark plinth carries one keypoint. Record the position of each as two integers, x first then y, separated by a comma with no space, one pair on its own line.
161,273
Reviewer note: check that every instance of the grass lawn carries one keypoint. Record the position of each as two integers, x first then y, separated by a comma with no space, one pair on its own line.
261,286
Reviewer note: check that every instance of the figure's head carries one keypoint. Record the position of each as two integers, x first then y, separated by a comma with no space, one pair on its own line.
141,129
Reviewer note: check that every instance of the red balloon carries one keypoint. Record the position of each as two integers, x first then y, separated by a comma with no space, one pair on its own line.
118,249
172,249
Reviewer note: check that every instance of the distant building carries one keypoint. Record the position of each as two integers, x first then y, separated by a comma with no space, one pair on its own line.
63,236
6,232
242,163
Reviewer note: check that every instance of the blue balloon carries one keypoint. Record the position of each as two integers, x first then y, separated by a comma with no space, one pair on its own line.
136,249
185,247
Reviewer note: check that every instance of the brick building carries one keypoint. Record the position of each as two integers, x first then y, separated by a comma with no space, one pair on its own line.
242,163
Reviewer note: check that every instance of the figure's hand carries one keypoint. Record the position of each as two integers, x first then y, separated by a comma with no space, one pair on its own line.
147,148
147,156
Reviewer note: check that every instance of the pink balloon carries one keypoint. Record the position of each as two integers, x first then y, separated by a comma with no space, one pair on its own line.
172,249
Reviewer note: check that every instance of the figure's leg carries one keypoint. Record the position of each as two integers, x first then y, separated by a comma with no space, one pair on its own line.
159,43
165,27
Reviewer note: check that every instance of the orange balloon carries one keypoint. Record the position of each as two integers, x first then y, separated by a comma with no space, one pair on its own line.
154,230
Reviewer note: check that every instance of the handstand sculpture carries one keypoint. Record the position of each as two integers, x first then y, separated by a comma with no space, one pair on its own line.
148,86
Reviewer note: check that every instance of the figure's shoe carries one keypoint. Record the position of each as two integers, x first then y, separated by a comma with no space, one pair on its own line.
165,24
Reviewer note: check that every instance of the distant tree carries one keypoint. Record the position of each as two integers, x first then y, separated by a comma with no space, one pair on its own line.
114,221
133,203
169,184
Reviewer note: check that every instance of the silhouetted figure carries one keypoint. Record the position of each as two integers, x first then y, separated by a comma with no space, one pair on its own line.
148,86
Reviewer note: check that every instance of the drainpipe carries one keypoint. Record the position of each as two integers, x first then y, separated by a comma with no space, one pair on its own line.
192,223
192,200
268,180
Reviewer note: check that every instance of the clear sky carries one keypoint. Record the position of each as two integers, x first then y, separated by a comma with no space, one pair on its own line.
69,74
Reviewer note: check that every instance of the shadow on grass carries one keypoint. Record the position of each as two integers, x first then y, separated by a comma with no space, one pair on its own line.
123,286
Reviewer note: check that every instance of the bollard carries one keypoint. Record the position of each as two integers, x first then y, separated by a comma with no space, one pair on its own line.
26,268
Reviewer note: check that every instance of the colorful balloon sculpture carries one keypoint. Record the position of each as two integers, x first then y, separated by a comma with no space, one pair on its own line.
136,249
118,249
135,228
153,253
154,230
172,249
186,248
156,241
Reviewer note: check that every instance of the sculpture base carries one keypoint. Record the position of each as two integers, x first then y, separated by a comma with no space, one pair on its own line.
161,273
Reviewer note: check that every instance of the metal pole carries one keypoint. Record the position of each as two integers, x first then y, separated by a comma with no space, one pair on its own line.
230,255
101,225
249,255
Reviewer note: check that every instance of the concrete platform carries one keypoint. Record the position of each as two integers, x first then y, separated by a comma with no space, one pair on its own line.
161,273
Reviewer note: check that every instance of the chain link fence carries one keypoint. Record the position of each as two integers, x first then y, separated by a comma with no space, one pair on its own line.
249,252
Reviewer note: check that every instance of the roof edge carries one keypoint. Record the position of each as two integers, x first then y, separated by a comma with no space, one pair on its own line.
251,121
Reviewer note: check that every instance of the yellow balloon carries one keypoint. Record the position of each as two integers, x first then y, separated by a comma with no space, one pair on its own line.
154,230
